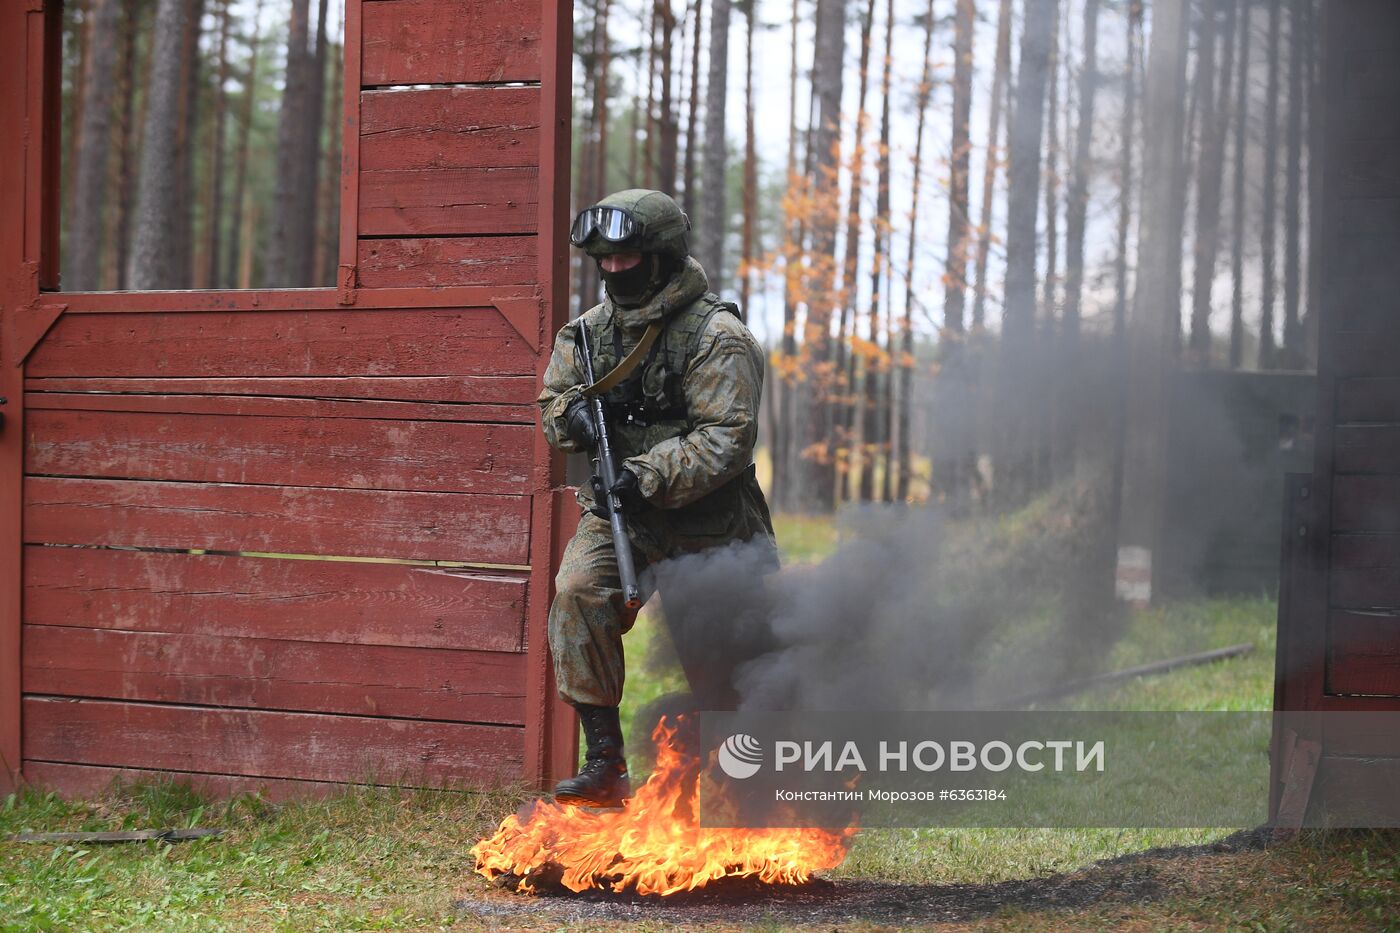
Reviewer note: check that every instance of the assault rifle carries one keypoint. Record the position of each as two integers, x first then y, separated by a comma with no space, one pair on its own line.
605,473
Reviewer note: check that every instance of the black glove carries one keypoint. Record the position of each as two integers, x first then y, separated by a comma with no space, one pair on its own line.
578,423
628,491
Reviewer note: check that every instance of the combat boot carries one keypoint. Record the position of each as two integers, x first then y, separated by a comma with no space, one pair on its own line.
602,781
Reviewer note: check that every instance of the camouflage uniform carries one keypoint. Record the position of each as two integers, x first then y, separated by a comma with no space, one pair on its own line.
692,454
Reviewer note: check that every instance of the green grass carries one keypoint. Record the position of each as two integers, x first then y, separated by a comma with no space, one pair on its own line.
368,859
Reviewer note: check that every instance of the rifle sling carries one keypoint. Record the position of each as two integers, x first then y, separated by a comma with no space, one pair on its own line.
624,369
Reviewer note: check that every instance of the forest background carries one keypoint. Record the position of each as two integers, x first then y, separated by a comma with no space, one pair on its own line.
975,235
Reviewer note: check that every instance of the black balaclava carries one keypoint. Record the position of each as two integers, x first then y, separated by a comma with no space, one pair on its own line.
636,286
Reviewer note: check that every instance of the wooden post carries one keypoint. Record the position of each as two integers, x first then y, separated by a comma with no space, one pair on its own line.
22,241
551,736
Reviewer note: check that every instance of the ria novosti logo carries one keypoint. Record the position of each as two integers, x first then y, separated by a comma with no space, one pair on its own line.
740,756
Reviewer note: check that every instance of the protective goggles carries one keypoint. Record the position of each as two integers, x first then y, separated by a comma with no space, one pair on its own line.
611,223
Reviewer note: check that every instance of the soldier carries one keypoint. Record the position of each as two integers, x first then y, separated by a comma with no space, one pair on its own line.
684,422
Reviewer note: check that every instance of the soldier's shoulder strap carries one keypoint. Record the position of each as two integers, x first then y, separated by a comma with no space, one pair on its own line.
694,321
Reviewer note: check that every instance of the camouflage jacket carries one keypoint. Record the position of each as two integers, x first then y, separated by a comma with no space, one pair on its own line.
721,387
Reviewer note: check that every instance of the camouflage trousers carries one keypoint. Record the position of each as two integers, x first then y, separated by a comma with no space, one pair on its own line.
588,619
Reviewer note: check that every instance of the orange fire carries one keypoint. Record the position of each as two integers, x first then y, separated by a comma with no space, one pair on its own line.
654,843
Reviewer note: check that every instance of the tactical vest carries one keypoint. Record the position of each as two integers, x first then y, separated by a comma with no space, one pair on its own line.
650,406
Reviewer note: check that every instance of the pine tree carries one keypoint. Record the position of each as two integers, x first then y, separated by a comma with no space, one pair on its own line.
153,250
95,142
905,362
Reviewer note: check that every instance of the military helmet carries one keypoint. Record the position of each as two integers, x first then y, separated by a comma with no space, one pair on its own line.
635,220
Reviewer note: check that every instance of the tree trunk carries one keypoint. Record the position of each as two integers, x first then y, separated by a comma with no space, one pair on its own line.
1210,187
121,225
594,174
1268,355
1156,310
237,244
649,127
906,360
1240,191
1314,181
845,450
713,217
582,188
1052,178
692,121
827,71
152,251
1076,220
955,282
1128,132
90,176
667,127
1292,356
885,403
1196,89
949,455
876,433
1202,112
1014,435
993,160
311,154
750,166
214,196
328,200
81,21
283,256
186,147
792,264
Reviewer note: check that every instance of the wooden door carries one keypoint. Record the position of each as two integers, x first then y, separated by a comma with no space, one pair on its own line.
1339,635
292,539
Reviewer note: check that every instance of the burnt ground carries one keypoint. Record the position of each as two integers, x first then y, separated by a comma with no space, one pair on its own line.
1127,879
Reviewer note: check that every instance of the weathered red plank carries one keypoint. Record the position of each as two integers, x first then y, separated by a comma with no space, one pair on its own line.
449,202
263,743
1368,504
356,453
265,673
275,407
449,42
1366,448
1362,401
1372,74
1362,25
486,392
308,600
93,781
423,128
1356,353
1357,792
1368,169
281,301
280,519
1365,571
437,342
1363,654
491,260
1369,217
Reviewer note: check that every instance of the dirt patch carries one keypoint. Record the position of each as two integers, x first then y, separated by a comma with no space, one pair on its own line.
1127,879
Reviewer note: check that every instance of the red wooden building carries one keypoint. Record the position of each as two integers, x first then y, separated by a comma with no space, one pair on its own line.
1339,611
153,439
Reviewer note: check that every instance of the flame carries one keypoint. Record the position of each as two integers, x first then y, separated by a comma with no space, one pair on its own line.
654,843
